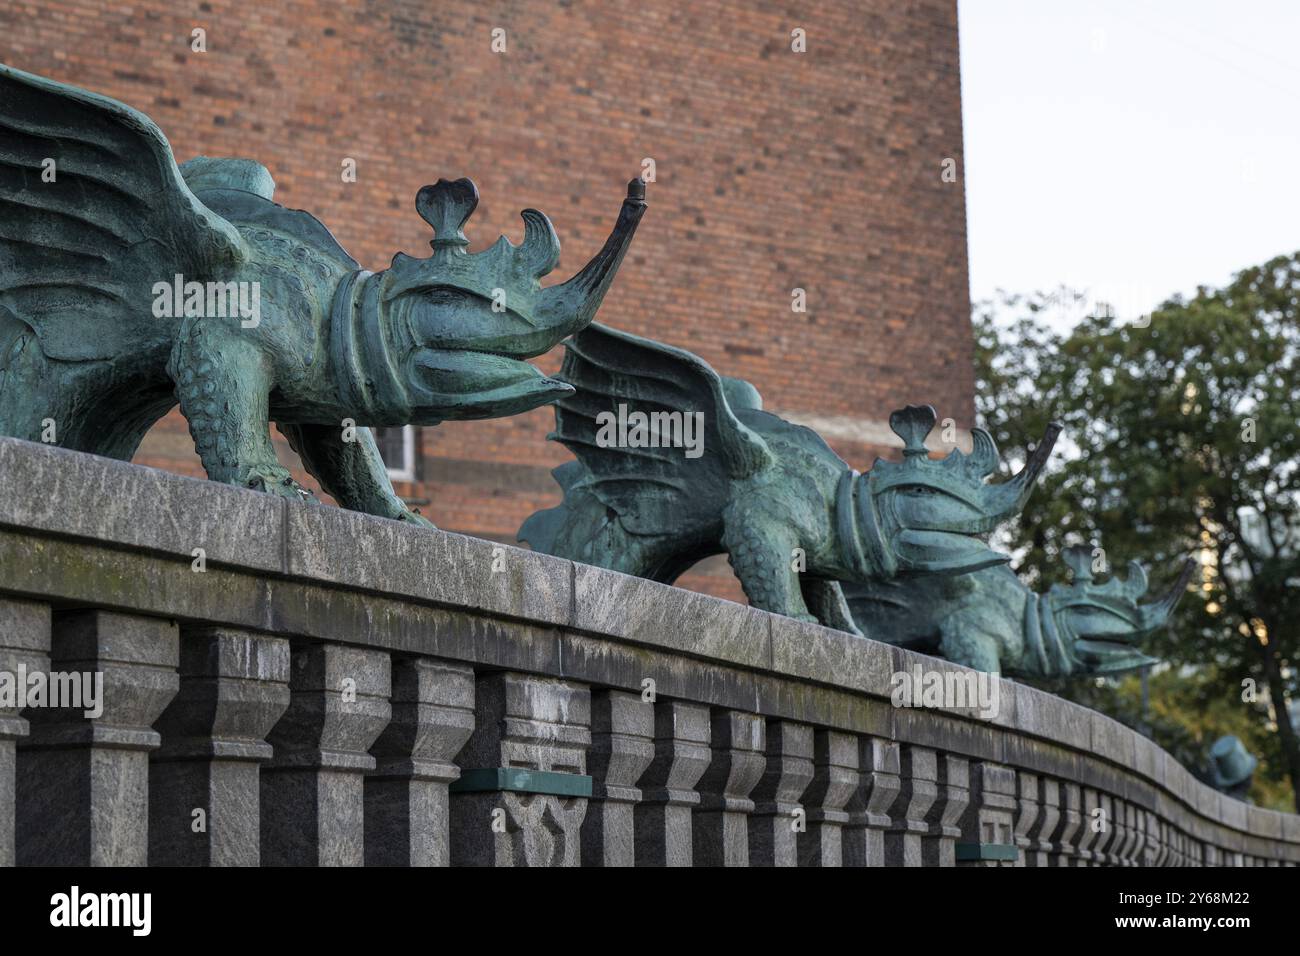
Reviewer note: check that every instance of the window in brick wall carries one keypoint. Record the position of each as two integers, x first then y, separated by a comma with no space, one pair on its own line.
397,448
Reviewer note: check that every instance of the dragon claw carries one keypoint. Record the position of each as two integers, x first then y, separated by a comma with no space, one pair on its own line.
278,481
414,517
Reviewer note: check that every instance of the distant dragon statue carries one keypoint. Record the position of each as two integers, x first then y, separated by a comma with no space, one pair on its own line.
991,621
1230,767
98,223
794,519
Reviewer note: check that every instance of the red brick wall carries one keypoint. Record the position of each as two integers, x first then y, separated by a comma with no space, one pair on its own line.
775,169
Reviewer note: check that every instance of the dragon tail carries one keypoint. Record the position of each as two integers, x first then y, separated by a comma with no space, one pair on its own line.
583,528
548,531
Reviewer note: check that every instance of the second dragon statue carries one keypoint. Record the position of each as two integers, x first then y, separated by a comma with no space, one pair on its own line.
907,541
793,518
128,284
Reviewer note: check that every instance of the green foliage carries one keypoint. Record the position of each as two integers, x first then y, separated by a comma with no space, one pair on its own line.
1175,432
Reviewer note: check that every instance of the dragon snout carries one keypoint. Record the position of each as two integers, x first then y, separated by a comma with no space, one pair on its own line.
460,385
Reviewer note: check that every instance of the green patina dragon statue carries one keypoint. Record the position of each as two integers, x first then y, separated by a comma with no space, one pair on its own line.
102,234
794,519
991,621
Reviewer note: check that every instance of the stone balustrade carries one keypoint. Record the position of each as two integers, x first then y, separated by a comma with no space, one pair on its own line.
293,684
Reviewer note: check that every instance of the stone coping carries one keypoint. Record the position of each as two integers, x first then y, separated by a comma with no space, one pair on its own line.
256,545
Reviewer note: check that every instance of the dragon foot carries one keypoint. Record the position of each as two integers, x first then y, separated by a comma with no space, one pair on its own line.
276,480
415,518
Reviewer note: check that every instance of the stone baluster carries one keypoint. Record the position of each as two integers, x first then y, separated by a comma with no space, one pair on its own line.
835,778
1123,834
622,746
83,778
873,802
1121,820
313,789
1028,818
938,848
773,834
1155,840
1151,848
1164,837
1102,816
682,754
1089,827
1212,855
720,831
24,653
203,781
1049,791
1120,841
407,811
1137,836
920,790
988,826
1067,833
522,794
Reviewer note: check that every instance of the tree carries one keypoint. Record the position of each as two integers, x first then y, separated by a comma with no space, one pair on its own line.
1181,438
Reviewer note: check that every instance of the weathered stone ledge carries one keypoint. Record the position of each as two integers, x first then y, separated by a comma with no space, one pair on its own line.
77,531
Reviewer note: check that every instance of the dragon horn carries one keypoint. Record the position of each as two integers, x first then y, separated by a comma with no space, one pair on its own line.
1078,558
572,305
1135,585
1009,497
1174,594
540,252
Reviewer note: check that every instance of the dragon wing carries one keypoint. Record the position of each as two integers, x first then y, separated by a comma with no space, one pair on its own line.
653,490
93,212
879,607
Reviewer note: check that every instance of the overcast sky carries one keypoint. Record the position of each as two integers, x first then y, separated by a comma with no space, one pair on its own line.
1133,148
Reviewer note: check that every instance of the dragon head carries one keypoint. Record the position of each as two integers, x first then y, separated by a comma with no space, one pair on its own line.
1099,625
444,337
929,515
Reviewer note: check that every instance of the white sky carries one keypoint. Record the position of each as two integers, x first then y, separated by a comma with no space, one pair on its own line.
1131,148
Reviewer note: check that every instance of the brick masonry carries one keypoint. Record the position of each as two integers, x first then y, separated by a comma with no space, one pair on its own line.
775,170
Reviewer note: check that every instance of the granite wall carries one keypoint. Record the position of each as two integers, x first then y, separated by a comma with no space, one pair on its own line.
297,684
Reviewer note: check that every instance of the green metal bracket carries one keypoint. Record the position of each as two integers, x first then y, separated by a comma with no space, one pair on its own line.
978,852
494,779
